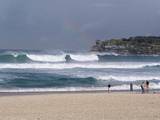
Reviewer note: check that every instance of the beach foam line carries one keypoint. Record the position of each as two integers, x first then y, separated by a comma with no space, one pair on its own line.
72,89
76,89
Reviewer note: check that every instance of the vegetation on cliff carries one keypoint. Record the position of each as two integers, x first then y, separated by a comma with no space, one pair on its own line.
133,45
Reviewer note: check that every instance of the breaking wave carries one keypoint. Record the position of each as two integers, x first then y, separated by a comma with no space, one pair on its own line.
94,65
47,58
13,58
128,78
24,57
84,57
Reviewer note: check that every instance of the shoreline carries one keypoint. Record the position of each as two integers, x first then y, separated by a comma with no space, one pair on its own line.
157,91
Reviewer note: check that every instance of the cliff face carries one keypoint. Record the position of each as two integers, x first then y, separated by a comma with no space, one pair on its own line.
133,45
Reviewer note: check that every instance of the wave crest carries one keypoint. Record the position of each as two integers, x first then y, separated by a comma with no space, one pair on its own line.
25,57
15,58
128,78
47,58
84,57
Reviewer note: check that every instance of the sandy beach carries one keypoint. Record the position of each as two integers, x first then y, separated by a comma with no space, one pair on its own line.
80,106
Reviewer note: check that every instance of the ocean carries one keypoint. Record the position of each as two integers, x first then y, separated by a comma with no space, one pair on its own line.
48,70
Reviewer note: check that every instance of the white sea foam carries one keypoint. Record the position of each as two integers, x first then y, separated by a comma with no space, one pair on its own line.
128,78
108,53
94,65
154,86
61,58
47,58
120,87
125,87
135,87
84,57
69,89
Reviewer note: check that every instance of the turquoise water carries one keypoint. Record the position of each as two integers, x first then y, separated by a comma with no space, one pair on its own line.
27,70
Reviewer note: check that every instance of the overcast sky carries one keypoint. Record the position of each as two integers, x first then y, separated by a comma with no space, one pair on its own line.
74,24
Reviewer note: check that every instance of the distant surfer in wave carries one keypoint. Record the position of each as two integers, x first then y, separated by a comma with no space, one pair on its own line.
68,58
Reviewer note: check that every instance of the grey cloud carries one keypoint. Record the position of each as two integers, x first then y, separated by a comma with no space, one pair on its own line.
74,24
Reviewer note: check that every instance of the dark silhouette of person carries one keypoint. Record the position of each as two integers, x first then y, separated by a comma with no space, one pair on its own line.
131,87
142,88
147,86
109,86
68,58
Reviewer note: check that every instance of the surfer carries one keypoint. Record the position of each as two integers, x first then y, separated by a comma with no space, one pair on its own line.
68,58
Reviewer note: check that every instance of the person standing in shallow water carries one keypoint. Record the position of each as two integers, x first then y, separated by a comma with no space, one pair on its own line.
131,87
109,88
147,86
142,88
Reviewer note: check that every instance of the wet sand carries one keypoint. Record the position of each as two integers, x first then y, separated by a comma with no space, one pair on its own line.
80,106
